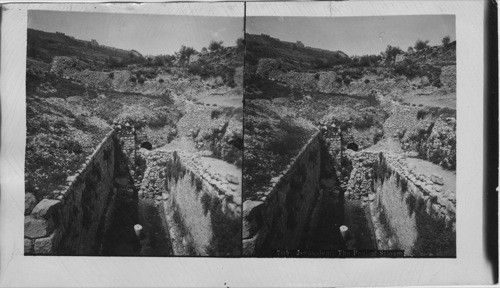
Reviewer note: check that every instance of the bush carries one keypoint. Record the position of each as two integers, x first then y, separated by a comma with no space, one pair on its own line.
215,45
421,113
240,44
421,45
205,69
446,41
215,114
72,146
367,81
347,81
111,75
133,79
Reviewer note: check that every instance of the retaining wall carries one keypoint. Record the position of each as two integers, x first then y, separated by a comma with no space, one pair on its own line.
74,222
410,211
202,209
280,220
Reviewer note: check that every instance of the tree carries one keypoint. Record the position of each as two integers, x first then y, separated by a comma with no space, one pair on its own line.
420,45
214,45
184,53
446,40
392,51
410,49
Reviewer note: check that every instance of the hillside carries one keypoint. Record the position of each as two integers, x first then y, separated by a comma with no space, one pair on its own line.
296,55
44,46
75,96
391,103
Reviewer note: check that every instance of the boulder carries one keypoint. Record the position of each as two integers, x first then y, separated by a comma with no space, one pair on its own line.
232,179
45,208
412,154
29,203
37,228
438,179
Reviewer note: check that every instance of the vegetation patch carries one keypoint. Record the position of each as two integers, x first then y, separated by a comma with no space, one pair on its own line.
174,170
206,202
434,237
226,230
411,203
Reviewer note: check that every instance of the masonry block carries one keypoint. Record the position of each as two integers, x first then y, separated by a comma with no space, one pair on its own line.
36,228
46,245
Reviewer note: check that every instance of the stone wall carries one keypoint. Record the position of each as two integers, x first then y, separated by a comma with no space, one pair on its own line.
202,209
360,183
74,222
410,211
280,219
436,142
448,76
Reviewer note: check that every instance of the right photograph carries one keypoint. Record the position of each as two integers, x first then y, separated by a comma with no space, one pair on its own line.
350,137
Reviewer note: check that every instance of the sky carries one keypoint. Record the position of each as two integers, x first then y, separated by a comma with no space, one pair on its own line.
356,35
148,34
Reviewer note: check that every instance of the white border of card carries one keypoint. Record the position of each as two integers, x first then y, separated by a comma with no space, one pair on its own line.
470,267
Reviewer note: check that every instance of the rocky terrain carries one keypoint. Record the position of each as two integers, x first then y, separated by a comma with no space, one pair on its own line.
78,91
396,103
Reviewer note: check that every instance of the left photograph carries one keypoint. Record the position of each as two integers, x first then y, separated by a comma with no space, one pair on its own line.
134,134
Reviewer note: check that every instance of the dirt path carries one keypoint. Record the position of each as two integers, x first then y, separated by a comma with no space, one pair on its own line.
180,144
427,168
433,100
